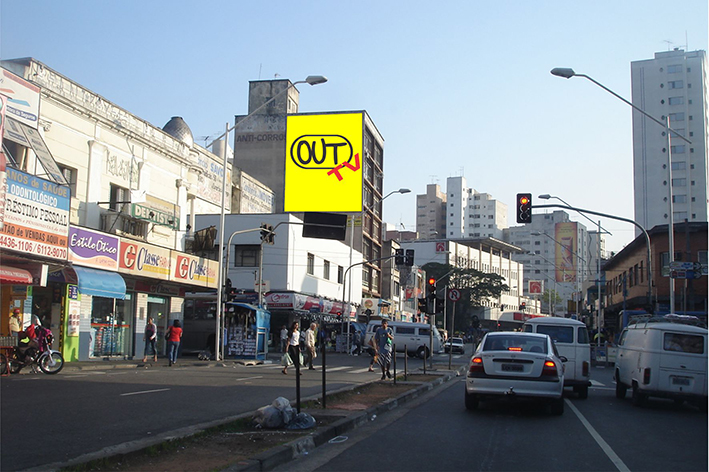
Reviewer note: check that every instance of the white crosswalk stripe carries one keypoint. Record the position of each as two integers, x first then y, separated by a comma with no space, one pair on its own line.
596,383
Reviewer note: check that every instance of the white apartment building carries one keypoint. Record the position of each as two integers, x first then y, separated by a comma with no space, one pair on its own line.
561,253
673,84
471,214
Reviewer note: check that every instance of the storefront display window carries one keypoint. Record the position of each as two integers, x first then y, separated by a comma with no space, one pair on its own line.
157,310
112,326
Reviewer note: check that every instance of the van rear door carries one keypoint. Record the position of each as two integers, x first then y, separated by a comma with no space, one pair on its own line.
683,363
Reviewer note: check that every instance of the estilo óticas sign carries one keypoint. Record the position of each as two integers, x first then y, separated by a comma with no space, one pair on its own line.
93,249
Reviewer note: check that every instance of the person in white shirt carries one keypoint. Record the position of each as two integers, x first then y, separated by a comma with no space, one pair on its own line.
293,347
284,339
310,345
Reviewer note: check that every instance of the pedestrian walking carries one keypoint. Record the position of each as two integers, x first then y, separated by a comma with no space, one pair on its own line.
384,338
293,346
310,346
150,336
284,339
173,337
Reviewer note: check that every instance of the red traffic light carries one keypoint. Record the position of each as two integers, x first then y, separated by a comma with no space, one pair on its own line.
431,281
524,200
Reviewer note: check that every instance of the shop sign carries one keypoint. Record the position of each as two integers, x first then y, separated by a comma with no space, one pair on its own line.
159,288
143,212
332,307
93,249
23,98
279,300
73,308
190,269
255,197
36,216
207,184
144,259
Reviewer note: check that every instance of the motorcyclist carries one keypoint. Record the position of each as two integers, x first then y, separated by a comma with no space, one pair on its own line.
28,340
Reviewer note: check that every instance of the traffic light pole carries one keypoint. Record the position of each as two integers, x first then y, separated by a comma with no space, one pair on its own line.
647,241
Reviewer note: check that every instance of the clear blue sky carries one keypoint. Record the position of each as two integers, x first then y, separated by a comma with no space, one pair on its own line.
455,87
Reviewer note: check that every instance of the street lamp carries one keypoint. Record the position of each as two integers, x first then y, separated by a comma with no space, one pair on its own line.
311,80
567,73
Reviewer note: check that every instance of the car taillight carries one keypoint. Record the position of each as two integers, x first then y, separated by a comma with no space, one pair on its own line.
549,369
476,366
514,349
646,376
584,369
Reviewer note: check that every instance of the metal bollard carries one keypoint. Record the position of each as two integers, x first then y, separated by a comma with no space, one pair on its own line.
406,362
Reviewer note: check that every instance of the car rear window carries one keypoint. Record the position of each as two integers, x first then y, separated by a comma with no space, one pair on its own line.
515,343
424,332
690,343
560,334
582,335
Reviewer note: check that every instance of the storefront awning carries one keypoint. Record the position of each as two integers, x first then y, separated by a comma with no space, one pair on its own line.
100,283
13,275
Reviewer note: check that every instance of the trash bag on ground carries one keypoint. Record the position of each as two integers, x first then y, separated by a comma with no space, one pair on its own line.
301,421
269,417
281,403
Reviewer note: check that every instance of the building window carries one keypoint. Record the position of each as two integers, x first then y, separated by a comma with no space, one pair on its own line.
675,117
679,149
70,176
676,100
326,270
679,182
679,198
679,165
679,215
702,257
119,197
674,69
246,255
311,264
675,84
340,274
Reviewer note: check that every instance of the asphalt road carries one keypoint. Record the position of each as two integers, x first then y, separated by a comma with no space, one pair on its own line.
600,433
55,418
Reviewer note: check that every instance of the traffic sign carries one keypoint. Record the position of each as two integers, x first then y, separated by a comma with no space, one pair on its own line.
685,274
454,295
679,265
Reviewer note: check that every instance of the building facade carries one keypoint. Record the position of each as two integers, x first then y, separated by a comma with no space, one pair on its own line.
558,255
260,150
100,207
471,214
673,84
431,213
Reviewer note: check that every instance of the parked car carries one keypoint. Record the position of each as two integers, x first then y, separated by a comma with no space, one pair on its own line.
454,345
414,337
510,365
571,340
661,359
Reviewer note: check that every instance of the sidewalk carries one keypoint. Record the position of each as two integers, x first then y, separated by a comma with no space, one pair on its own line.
108,363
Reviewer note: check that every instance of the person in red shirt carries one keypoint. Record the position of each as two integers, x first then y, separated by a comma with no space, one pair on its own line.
173,337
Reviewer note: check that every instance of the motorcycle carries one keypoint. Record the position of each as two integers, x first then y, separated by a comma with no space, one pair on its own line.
34,354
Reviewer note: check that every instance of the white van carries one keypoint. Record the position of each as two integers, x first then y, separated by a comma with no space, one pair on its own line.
572,342
415,336
662,359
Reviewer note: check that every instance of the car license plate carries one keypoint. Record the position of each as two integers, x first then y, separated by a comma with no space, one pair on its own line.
512,367
680,381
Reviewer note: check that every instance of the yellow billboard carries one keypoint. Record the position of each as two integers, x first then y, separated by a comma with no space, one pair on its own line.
324,162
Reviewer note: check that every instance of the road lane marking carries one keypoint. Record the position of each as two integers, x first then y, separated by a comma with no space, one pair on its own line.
342,367
620,465
249,378
596,383
144,391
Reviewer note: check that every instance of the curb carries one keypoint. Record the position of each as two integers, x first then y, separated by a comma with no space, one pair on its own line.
274,457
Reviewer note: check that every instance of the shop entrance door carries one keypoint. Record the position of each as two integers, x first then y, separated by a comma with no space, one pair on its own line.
157,310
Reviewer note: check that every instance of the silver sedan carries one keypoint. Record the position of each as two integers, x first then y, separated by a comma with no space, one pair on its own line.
511,365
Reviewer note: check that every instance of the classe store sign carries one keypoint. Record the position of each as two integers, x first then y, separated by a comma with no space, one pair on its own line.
144,260
194,270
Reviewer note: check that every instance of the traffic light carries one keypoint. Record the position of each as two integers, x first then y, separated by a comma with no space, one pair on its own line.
399,257
423,305
440,305
409,259
267,234
524,208
431,287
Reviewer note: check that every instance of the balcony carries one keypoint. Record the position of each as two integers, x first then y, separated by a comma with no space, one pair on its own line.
113,222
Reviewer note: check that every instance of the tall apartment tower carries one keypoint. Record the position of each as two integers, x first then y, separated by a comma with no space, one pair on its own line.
672,84
470,214
431,213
